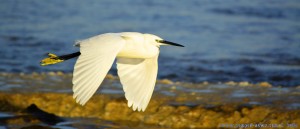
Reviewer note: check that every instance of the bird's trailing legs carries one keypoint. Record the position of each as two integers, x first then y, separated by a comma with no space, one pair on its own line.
54,59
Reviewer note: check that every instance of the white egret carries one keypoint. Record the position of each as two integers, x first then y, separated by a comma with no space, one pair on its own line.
137,66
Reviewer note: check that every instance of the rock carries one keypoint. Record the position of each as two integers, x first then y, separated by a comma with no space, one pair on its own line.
173,88
182,109
236,115
205,83
51,73
193,93
43,116
110,76
59,73
243,84
265,84
231,83
160,111
244,120
245,111
166,81
115,110
195,113
258,114
166,110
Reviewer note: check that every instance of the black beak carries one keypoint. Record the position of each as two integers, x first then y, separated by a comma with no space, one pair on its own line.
170,43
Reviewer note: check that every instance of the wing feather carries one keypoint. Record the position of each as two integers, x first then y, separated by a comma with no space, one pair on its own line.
138,77
97,56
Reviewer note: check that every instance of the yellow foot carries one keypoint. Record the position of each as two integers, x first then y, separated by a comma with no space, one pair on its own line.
51,55
51,59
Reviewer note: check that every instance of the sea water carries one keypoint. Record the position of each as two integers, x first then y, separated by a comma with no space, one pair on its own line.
253,41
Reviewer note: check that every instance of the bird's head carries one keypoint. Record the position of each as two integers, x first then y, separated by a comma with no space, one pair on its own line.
157,41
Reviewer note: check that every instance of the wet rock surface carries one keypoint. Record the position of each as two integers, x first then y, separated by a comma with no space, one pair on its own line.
159,112
45,101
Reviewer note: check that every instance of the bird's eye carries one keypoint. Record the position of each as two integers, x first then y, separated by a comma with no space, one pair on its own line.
157,40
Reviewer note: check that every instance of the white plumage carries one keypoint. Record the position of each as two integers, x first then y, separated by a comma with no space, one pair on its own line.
137,66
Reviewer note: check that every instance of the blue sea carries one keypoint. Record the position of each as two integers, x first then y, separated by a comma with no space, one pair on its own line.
246,40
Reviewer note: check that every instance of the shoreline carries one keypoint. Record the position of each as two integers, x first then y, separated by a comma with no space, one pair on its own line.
159,112
173,104
163,80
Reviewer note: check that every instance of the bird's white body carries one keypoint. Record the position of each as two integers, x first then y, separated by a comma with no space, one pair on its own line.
137,66
137,47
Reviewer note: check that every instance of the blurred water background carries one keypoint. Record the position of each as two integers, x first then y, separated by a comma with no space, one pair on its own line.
254,41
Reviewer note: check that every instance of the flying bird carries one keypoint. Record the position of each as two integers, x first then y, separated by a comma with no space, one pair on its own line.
137,66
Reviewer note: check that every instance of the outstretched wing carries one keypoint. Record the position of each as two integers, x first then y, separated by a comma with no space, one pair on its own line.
97,56
138,77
